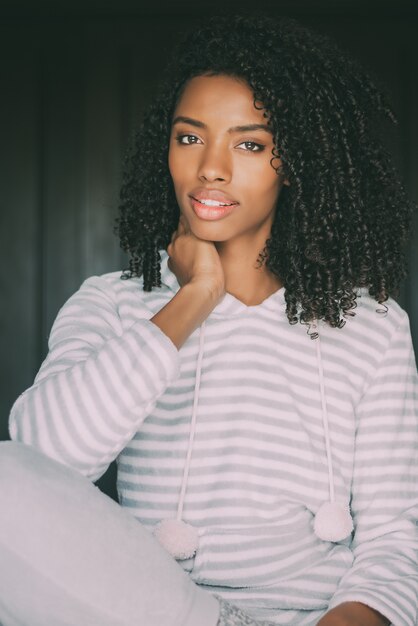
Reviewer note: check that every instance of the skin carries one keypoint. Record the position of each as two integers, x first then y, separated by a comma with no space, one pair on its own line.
210,258
237,163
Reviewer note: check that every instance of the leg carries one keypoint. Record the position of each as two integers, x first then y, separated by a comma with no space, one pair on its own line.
70,555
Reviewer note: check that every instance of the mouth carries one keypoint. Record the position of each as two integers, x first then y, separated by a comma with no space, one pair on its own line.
211,209
215,203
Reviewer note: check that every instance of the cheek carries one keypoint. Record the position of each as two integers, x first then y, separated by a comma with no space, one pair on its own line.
175,166
268,179
258,179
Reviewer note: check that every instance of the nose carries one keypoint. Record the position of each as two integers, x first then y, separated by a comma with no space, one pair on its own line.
215,164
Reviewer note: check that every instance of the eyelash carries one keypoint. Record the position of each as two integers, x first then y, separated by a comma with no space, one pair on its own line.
259,145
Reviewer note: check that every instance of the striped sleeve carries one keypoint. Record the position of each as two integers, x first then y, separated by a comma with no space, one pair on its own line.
384,574
97,384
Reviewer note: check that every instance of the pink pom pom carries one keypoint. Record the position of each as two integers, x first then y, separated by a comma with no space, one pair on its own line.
333,522
181,540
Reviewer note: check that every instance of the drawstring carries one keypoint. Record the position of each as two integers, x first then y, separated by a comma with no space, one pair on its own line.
325,419
333,521
193,424
176,536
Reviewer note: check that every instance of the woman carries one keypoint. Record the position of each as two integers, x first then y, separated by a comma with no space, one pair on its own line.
252,375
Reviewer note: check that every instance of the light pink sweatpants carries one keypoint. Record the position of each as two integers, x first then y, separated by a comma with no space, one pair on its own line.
71,556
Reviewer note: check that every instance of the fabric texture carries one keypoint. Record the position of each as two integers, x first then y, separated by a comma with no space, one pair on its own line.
231,615
114,386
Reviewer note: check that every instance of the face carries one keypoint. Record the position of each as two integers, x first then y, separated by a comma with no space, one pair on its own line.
215,158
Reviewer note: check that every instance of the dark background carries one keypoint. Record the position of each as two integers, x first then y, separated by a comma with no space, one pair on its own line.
74,79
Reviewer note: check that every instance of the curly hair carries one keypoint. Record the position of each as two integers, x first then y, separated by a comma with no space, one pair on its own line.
343,221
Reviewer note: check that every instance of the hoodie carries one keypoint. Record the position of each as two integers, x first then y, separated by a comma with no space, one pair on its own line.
244,434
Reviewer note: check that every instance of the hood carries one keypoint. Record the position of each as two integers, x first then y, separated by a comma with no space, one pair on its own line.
229,305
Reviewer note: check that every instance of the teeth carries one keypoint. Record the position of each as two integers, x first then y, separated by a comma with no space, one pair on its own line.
213,203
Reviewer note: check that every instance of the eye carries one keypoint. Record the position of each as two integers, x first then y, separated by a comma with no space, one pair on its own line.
252,146
179,139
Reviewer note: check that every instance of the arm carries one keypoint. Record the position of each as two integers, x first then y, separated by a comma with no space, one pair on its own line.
384,574
99,380
353,614
180,317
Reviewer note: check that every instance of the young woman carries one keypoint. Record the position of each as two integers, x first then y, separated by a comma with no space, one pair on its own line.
252,375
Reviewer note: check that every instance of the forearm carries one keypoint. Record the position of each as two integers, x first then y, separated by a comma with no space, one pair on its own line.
353,614
189,308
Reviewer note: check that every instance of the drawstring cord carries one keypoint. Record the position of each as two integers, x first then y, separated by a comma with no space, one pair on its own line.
333,521
325,419
193,423
180,539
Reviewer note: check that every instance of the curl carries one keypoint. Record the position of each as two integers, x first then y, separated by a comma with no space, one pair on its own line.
343,221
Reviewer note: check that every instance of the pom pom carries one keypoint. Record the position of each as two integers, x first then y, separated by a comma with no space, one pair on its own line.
333,522
181,540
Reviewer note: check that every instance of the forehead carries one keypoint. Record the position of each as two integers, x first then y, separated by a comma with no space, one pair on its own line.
218,98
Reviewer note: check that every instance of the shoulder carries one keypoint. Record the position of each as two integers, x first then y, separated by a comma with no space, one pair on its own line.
367,335
386,317
99,306
112,281
111,287
100,296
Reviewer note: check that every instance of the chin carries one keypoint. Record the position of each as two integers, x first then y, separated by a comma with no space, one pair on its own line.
208,231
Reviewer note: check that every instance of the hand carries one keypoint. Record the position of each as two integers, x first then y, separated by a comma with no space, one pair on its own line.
195,260
353,613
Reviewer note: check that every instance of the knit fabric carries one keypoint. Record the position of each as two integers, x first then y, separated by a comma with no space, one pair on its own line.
231,615
114,386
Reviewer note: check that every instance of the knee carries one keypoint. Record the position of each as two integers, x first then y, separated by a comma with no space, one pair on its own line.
17,462
29,477
24,493
30,483
13,457
23,470
14,452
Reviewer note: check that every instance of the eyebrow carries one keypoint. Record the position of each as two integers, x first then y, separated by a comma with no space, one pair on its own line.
233,129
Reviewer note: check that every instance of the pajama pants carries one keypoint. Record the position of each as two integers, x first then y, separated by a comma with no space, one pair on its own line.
71,556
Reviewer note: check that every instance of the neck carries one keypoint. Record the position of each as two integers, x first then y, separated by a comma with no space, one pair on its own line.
244,277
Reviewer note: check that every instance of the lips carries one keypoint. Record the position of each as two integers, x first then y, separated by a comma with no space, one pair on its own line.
212,194
211,213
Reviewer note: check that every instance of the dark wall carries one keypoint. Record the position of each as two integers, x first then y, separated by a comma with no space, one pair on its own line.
73,86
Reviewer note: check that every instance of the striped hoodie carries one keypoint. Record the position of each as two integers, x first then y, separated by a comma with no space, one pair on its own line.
114,386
